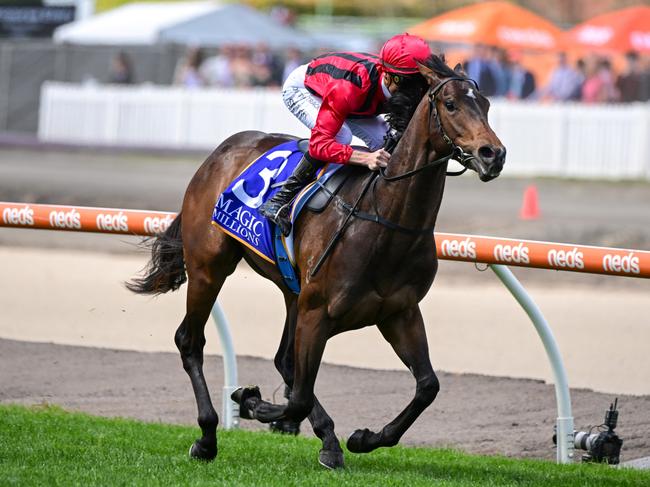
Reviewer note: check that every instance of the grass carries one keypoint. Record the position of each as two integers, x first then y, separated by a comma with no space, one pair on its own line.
48,446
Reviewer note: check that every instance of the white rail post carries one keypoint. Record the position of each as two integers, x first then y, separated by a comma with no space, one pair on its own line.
229,408
564,423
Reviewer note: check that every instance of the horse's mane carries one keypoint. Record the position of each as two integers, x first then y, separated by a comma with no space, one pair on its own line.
402,105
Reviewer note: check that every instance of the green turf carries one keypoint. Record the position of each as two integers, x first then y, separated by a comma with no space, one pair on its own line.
48,446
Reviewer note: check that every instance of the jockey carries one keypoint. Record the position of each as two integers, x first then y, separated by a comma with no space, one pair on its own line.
339,95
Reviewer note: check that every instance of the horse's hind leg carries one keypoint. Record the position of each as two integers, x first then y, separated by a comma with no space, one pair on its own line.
331,455
205,277
405,332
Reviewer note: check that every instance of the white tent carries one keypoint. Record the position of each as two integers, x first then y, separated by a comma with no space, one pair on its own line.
131,24
235,24
199,23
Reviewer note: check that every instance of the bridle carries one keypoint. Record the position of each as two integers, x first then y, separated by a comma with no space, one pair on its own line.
353,209
456,152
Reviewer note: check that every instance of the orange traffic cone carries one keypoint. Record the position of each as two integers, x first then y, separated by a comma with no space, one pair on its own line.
530,207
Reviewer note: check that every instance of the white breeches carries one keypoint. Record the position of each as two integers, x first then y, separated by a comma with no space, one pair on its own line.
305,107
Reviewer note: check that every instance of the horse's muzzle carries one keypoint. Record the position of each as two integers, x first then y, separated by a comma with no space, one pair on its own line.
488,162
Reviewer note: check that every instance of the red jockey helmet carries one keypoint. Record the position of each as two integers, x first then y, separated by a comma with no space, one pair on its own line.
399,53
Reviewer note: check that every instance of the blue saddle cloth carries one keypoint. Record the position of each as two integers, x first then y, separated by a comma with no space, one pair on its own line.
235,211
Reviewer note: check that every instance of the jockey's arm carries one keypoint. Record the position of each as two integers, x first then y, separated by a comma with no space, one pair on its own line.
323,145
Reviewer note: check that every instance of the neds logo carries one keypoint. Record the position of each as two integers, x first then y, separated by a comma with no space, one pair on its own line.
65,219
156,224
619,263
16,216
573,259
117,222
509,253
454,248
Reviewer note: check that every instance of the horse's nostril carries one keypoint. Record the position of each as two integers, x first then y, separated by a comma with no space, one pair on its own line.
486,152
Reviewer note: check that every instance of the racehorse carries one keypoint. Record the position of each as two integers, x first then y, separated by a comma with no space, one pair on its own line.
377,273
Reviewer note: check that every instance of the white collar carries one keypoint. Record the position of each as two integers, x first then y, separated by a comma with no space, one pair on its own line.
385,90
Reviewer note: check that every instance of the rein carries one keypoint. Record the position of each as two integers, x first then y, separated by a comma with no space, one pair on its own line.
353,210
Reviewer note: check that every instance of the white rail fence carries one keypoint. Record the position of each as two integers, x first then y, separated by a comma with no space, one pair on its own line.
565,140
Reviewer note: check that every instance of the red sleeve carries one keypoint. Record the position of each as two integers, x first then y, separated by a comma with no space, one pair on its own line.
336,106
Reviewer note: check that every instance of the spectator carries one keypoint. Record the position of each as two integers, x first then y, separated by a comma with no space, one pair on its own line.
478,68
522,81
644,89
629,82
565,83
242,67
581,69
187,72
217,70
599,86
121,70
501,71
292,60
266,67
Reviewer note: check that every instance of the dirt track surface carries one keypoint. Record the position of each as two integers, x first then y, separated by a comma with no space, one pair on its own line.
480,414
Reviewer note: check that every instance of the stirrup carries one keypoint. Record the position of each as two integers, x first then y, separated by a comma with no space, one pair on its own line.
283,221
281,217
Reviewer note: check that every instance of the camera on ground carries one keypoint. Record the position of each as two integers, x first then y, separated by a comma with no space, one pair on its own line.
601,443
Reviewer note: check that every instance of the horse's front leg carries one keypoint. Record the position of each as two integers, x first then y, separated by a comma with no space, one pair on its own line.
405,332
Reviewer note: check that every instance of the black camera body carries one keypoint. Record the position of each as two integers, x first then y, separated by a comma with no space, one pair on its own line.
604,446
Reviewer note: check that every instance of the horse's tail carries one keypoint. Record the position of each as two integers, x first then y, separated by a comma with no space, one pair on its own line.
166,269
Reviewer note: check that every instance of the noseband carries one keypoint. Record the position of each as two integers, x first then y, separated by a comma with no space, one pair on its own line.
456,153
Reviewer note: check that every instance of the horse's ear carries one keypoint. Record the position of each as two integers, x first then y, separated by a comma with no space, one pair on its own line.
459,69
428,74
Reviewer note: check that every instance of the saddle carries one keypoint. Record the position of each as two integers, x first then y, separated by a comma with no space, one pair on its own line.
322,197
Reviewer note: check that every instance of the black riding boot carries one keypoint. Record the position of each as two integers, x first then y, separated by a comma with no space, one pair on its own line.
277,208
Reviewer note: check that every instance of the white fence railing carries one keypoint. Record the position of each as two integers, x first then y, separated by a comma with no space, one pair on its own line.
567,140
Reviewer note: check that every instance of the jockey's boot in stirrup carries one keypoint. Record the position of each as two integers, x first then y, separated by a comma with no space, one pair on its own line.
277,208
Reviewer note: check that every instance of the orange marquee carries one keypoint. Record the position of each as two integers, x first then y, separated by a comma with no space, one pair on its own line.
622,30
495,23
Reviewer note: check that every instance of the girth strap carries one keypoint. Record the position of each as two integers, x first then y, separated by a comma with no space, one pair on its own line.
352,210
335,238
382,221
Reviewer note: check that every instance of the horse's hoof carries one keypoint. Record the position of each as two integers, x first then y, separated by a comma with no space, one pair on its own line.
265,412
241,395
359,441
285,426
201,453
331,459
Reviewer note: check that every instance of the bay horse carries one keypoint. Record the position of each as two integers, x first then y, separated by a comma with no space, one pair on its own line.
376,274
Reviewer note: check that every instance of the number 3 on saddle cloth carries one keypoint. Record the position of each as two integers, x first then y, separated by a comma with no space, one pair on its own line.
236,209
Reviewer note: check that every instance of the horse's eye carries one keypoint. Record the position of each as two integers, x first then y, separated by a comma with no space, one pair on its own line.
450,105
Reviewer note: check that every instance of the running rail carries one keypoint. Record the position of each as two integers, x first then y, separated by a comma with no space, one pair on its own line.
497,252
468,248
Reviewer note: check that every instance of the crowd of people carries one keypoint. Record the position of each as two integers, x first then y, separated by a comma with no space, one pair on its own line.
236,67
592,79
499,73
